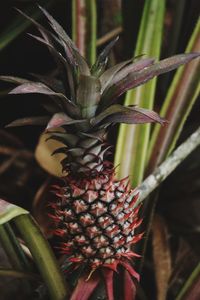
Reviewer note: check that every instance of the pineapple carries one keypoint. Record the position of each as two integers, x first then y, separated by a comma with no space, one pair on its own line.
94,214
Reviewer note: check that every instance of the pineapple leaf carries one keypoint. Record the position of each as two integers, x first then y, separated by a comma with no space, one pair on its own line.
42,120
51,82
57,54
83,67
61,119
13,79
85,287
101,62
135,79
40,88
107,76
34,87
71,67
131,115
131,68
88,94
64,138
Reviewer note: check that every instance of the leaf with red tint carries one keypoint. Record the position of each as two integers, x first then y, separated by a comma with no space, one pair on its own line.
108,276
130,269
40,88
109,74
134,79
102,59
131,115
78,60
13,79
33,87
85,287
42,120
61,119
129,287
130,68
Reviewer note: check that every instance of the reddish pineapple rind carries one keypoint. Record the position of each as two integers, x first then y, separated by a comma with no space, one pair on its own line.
96,219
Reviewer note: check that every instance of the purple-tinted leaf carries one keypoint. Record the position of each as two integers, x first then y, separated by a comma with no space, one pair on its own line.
131,115
129,287
84,69
108,276
42,120
40,88
70,65
98,135
108,75
85,287
102,59
36,88
133,67
63,137
51,82
88,94
56,53
61,119
130,68
13,79
135,79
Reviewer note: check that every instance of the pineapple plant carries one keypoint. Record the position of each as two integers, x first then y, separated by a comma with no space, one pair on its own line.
93,214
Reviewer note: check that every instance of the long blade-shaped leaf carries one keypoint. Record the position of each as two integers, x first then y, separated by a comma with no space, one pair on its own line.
39,247
131,79
131,115
181,96
14,252
40,88
18,25
41,121
134,140
8,211
70,46
43,256
88,95
101,62
190,289
84,28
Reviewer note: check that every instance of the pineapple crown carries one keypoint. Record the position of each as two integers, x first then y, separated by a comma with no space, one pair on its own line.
88,99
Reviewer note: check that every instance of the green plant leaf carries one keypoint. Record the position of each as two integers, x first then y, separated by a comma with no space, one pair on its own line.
180,98
84,28
190,289
8,211
43,257
133,140
38,246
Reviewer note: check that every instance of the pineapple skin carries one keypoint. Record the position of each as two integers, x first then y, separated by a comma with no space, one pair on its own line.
96,220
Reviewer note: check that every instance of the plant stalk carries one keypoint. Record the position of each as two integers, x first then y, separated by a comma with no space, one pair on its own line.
168,166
